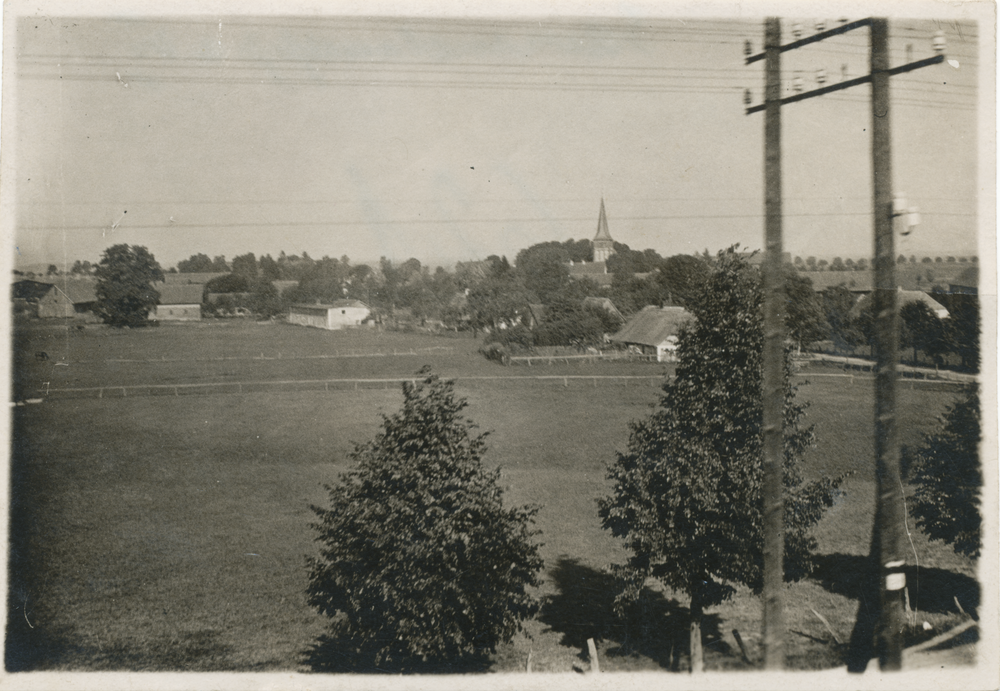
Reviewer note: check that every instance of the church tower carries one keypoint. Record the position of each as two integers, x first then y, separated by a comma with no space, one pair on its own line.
604,246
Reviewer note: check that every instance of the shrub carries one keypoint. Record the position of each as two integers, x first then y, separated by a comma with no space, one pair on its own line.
419,556
948,476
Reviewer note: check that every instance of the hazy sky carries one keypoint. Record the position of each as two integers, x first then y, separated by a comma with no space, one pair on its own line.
451,138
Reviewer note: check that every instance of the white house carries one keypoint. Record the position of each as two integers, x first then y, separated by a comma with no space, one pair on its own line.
178,302
336,315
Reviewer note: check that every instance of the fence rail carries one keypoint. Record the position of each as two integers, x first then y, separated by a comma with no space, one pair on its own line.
355,384
436,350
530,360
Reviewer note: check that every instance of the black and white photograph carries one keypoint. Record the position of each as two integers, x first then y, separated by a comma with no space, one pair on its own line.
504,345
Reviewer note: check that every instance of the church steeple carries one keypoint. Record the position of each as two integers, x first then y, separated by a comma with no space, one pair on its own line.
604,246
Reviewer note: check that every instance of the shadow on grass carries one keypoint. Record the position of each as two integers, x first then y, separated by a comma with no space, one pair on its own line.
930,589
335,653
655,627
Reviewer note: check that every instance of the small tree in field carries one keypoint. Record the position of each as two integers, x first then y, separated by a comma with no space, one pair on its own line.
687,495
125,277
418,552
948,477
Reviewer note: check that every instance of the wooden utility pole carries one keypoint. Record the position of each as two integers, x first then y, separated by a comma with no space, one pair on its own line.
773,376
887,550
889,518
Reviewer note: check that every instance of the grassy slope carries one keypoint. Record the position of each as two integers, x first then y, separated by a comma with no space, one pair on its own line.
165,533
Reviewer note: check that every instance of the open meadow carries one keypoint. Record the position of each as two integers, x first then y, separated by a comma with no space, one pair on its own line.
167,528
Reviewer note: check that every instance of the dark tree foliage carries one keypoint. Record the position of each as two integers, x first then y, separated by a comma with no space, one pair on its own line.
626,261
924,329
544,270
948,477
682,277
125,293
245,265
804,316
496,303
418,553
687,495
197,263
962,329
837,304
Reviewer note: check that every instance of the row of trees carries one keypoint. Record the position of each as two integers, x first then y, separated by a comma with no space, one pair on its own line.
839,264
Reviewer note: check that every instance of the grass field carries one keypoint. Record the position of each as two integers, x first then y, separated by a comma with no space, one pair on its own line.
167,533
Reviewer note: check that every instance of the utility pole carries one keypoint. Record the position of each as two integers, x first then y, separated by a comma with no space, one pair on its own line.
887,556
773,375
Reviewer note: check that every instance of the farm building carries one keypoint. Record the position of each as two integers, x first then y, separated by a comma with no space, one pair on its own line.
653,331
194,278
336,315
905,297
69,298
178,302
606,305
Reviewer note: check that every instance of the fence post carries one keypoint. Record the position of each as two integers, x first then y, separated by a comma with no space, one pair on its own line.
595,666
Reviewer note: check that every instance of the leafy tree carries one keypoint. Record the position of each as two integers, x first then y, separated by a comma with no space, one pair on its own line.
245,265
924,329
53,270
862,264
961,329
925,260
948,477
269,268
543,269
568,323
682,277
687,495
838,265
418,552
497,303
197,263
125,293
849,265
837,303
901,259
811,263
804,317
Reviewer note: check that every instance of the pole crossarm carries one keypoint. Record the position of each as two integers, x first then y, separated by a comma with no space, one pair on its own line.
865,79
843,29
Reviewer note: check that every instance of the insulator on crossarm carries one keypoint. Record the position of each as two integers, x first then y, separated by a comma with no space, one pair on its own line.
797,30
797,84
939,42
820,25
747,100
747,48
821,76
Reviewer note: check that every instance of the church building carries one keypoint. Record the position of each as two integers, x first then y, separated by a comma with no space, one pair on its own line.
604,247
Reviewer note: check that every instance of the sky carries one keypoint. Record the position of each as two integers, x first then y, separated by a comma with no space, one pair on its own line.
451,137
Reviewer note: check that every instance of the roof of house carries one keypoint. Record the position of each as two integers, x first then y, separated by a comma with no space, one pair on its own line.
336,304
194,278
653,325
79,291
179,294
28,289
587,268
604,304
854,281
282,286
905,297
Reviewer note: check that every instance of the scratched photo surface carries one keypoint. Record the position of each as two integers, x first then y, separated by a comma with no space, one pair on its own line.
274,274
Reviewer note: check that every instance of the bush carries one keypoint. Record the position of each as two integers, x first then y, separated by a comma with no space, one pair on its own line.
948,476
516,338
496,353
419,557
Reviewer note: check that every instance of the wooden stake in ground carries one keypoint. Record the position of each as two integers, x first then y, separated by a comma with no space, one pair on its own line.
595,666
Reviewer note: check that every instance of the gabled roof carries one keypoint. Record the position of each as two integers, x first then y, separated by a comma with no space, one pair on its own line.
602,225
653,325
179,294
194,278
28,289
78,291
905,297
604,304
